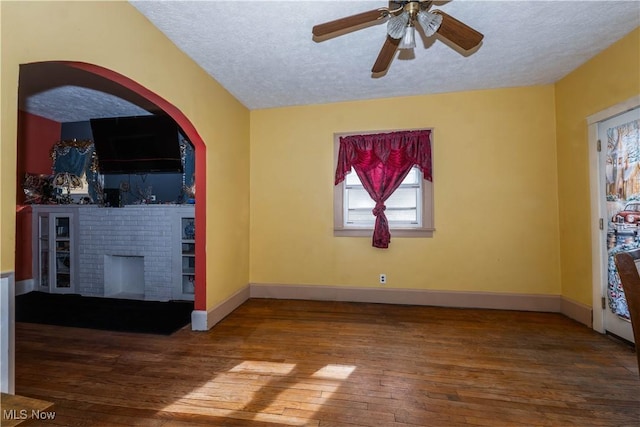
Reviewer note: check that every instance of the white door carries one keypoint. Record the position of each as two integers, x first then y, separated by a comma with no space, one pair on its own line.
619,158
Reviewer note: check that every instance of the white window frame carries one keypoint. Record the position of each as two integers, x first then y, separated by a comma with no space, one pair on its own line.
425,209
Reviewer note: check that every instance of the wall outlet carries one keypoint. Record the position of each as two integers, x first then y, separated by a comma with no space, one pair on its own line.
383,279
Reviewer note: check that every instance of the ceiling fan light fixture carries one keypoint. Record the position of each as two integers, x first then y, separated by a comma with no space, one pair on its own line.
430,22
401,26
397,25
409,39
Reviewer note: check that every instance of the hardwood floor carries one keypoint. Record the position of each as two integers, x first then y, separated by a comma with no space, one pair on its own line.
327,364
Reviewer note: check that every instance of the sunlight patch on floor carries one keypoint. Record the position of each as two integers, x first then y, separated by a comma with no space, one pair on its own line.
260,367
283,390
338,372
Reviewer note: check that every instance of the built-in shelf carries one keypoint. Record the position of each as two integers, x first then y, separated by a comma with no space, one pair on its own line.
188,231
54,265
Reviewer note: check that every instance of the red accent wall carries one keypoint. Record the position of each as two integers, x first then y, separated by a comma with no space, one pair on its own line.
36,136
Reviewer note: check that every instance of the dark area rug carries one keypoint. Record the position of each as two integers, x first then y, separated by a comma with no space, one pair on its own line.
150,317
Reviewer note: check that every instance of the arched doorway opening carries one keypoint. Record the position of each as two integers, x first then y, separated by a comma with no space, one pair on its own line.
118,80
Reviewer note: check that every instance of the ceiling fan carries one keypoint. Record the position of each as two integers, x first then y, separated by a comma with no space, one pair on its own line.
402,17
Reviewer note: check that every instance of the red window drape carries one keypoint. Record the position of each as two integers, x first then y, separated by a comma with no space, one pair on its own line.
382,161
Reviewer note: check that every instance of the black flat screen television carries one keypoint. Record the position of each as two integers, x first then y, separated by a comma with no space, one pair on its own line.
140,144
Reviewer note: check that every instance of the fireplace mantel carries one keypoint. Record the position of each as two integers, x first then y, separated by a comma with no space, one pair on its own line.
115,249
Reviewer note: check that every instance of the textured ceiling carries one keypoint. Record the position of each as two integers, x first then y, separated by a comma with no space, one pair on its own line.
66,94
264,54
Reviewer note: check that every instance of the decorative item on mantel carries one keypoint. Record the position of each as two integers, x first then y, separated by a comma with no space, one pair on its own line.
190,191
77,158
187,156
144,195
38,188
66,181
83,147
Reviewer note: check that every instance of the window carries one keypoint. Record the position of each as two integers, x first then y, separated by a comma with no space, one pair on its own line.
403,207
409,209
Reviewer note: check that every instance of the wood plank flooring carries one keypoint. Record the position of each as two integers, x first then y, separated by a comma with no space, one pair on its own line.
330,364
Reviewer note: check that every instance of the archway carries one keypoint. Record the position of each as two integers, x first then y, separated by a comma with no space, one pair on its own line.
200,150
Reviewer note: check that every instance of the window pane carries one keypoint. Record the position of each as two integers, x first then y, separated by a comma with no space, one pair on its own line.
402,215
409,210
352,178
358,198
402,205
403,198
412,177
396,216
364,216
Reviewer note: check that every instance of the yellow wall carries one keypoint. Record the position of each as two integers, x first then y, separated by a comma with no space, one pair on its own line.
609,78
116,36
500,180
495,177
8,153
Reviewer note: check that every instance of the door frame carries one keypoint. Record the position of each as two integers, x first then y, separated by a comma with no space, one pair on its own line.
598,236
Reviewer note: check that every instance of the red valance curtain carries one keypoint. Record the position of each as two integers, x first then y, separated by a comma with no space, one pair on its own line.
382,161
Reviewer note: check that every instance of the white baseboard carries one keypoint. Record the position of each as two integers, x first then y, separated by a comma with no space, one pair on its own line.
204,320
25,286
7,333
199,320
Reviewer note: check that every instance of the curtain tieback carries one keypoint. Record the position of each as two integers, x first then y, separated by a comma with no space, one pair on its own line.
380,207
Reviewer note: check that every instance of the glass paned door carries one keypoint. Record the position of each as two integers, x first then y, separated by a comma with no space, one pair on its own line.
188,242
43,252
620,160
63,252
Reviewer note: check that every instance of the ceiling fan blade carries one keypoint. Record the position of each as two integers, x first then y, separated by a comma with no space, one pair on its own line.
386,55
348,22
458,32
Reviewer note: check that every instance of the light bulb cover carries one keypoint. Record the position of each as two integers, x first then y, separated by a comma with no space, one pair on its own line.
397,25
430,22
409,39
